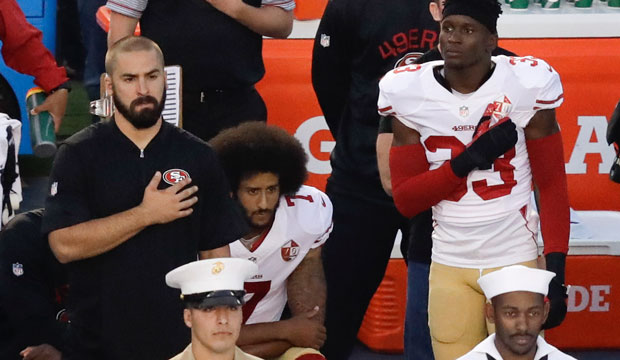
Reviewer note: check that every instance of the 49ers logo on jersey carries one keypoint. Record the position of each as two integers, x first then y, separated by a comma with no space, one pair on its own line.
174,176
289,251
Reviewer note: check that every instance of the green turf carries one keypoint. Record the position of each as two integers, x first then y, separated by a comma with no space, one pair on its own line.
76,118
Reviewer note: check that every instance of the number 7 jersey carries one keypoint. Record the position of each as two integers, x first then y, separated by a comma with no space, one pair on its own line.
302,222
517,88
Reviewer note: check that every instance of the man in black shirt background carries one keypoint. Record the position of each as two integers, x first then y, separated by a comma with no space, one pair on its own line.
33,292
357,42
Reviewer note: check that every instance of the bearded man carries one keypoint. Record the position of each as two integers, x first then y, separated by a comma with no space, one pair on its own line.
131,199
289,223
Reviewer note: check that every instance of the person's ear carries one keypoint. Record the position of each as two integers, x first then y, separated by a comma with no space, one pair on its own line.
187,318
433,7
107,80
492,43
489,313
546,308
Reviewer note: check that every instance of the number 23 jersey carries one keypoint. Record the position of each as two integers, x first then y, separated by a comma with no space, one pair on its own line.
517,88
302,222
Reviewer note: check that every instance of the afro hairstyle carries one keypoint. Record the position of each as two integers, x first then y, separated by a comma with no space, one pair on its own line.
255,147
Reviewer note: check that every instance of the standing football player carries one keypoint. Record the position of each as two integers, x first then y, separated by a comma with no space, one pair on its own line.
289,223
472,134
416,248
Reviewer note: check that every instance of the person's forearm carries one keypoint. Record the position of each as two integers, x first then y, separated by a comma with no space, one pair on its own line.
271,21
94,237
267,350
416,188
23,49
383,145
220,252
120,27
547,163
260,333
306,287
546,155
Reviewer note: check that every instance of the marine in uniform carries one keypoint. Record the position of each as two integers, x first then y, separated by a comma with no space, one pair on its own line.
130,199
212,295
472,134
518,310
289,224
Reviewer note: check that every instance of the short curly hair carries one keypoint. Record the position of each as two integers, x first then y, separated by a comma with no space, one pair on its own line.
255,147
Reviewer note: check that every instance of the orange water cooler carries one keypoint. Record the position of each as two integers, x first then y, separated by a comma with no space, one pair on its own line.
309,9
384,323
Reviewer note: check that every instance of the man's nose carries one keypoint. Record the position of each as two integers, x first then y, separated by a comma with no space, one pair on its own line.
222,315
262,201
142,88
454,36
521,322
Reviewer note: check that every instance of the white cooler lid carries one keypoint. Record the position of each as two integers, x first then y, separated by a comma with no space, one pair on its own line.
593,233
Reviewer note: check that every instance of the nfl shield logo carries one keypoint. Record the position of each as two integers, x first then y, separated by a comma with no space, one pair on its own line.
18,269
464,111
54,188
324,40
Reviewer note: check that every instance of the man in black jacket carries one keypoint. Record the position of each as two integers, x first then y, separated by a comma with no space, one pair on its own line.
33,285
356,43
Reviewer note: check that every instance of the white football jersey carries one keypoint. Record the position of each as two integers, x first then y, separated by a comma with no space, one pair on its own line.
302,222
518,87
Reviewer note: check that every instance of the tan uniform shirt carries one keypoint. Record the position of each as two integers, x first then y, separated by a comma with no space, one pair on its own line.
188,355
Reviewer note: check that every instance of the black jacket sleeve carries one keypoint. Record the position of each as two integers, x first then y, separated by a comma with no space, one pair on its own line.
331,62
29,275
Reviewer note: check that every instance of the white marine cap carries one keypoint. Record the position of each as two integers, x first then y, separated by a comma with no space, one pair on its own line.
212,282
515,278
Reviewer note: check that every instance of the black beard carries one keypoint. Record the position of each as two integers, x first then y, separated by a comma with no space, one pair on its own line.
248,218
145,118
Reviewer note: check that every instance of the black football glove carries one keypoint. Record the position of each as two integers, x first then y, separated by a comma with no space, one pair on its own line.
481,128
483,151
557,291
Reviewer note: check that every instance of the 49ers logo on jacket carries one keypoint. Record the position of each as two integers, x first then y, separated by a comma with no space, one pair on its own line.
174,176
290,250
